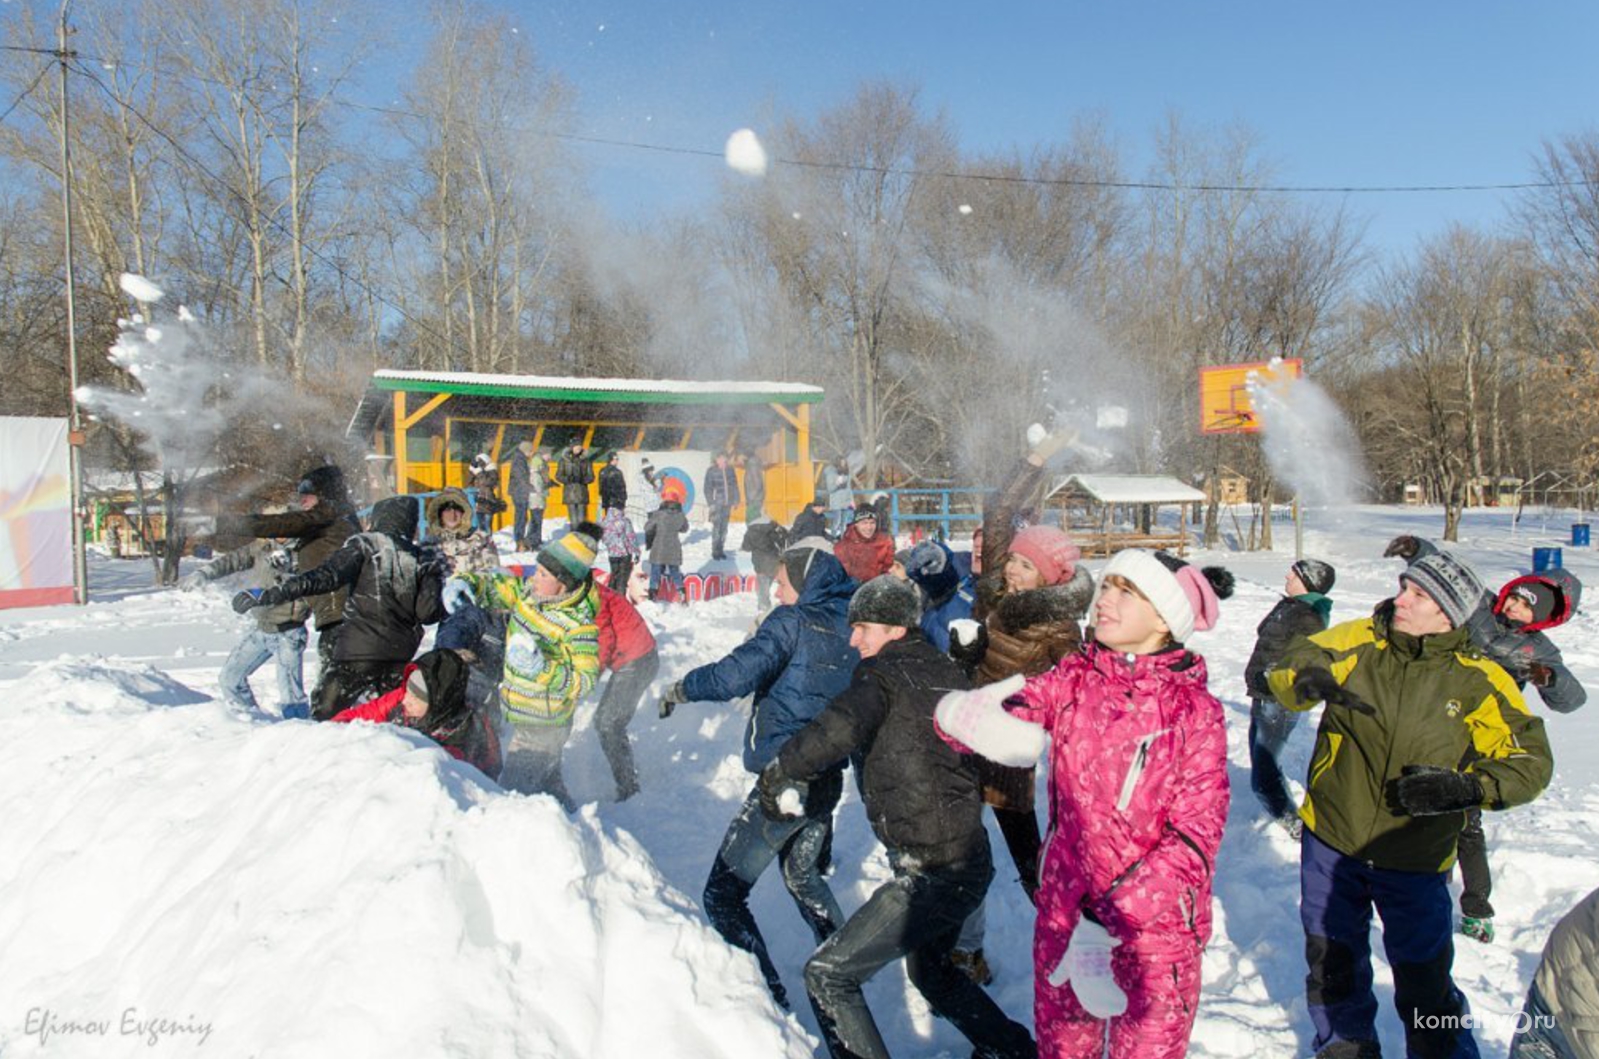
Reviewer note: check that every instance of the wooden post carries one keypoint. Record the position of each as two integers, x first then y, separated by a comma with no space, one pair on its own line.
402,466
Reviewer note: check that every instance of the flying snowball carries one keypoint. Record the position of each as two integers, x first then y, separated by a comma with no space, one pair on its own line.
139,289
1035,434
964,209
745,153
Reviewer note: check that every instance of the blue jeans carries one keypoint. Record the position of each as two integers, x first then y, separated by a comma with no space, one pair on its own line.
752,842
671,573
1270,725
254,651
1337,895
841,520
1538,1034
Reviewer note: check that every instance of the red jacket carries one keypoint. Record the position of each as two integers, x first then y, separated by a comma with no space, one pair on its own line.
473,740
864,559
624,637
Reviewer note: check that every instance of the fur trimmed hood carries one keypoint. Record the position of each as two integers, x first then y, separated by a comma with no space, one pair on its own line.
1015,611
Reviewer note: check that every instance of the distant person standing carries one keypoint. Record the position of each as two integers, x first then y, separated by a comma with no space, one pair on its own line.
529,483
484,478
721,496
575,472
613,485
840,495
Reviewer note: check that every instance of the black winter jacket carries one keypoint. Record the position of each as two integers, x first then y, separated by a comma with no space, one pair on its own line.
921,796
808,524
1290,618
395,586
721,487
613,487
575,470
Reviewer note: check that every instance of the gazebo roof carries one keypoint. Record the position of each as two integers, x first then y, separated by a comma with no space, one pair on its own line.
534,390
1130,488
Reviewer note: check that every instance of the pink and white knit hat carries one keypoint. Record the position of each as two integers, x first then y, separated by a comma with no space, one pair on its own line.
1185,597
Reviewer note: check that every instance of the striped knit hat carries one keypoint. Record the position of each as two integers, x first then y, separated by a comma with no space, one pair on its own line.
569,557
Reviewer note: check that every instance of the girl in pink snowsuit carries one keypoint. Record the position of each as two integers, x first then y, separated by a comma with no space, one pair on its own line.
1137,803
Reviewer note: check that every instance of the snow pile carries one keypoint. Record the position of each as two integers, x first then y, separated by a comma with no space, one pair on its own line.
183,874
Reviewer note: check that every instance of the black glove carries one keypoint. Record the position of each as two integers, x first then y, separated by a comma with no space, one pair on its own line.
248,600
674,697
969,655
1403,547
1311,685
773,784
1427,790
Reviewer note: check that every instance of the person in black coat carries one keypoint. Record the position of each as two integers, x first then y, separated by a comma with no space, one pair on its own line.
1303,611
924,804
395,589
811,522
613,486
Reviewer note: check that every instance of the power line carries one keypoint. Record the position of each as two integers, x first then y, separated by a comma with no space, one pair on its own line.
282,229
15,103
959,175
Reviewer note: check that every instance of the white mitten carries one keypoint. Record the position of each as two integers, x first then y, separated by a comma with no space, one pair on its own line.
977,719
1086,963
964,630
457,594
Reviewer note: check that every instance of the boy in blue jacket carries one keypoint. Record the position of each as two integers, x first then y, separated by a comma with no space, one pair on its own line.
796,663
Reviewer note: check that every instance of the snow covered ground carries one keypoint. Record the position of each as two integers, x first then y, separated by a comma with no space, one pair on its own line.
177,875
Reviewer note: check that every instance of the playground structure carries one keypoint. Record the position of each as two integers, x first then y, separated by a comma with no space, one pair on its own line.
1226,398
1106,513
427,426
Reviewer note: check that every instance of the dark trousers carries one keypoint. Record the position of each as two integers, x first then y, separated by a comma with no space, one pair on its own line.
719,517
916,915
752,842
528,529
1538,1033
621,572
1472,852
618,703
345,684
327,639
577,511
1020,830
1337,895
1270,725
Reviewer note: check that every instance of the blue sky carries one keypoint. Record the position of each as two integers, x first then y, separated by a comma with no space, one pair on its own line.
1339,93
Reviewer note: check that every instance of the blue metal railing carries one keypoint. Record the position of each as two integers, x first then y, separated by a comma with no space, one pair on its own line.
931,506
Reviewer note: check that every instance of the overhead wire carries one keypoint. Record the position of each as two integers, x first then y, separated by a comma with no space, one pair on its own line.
961,175
26,92
373,292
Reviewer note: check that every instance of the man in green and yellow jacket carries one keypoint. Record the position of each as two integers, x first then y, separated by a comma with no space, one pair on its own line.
1419,727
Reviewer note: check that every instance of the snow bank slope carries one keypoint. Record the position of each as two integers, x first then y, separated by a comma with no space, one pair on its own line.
294,889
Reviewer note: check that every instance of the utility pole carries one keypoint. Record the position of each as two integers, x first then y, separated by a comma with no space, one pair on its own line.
75,437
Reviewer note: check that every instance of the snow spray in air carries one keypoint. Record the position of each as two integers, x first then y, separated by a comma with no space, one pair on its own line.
1307,441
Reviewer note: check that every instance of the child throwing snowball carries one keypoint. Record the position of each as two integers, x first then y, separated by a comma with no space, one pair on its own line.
1138,799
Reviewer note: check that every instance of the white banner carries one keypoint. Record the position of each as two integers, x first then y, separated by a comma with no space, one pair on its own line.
35,513
682,465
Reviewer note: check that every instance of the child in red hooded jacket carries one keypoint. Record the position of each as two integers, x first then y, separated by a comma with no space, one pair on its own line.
1138,800
432,700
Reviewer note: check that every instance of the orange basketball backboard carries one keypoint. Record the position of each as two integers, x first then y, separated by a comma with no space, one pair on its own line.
1226,405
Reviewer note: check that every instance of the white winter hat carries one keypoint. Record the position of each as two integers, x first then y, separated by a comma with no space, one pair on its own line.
1185,597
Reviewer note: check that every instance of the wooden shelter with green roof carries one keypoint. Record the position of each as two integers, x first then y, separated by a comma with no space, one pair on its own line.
431,424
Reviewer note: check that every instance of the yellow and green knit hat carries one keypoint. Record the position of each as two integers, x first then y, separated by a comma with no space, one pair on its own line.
569,557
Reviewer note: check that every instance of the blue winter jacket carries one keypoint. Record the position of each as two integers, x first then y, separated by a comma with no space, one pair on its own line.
935,620
797,662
